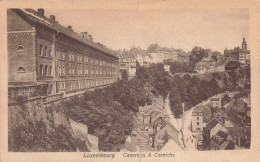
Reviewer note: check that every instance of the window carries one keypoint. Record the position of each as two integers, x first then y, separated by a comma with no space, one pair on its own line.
50,52
40,50
41,70
45,51
63,70
198,118
69,56
198,123
20,48
46,70
72,70
21,70
59,70
50,69
72,57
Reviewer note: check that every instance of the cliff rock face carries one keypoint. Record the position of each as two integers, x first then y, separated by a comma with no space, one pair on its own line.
36,126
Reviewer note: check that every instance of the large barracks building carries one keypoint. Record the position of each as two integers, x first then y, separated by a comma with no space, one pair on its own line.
42,51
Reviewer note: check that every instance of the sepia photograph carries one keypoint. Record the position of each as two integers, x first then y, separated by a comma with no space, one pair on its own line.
138,81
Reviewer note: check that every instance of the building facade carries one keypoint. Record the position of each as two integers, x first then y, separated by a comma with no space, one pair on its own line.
40,50
127,62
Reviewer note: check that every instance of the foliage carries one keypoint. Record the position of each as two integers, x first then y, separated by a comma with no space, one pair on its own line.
124,75
225,99
107,111
33,137
232,65
160,79
178,67
197,55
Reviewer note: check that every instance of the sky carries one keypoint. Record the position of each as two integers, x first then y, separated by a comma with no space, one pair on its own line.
174,28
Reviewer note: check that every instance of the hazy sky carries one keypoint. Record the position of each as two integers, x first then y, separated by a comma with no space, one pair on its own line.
177,28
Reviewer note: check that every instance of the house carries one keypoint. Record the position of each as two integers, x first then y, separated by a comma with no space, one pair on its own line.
223,118
142,140
212,127
215,102
200,116
233,94
240,135
164,130
128,147
204,67
42,51
127,62
158,114
238,105
207,55
222,141
170,145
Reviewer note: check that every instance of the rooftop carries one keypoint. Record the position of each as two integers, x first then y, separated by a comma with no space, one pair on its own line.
35,17
214,99
211,124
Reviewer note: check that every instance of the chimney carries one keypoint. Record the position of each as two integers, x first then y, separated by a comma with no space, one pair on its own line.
41,11
82,34
85,35
90,38
52,17
69,27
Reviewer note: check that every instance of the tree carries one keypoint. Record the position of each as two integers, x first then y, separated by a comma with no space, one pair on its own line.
142,74
197,55
232,65
175,102
153,47
124,75
215,58
160,79
225,99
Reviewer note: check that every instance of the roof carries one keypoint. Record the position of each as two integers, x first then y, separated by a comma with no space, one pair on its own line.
230,145
143,135
204,110
214,99
171,145
220,137
237,131
211,124
125,54
34,17
129,146
170,124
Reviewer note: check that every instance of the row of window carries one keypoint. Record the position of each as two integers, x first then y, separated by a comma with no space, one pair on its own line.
84,59
45,70
77,85
43,51
61,70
